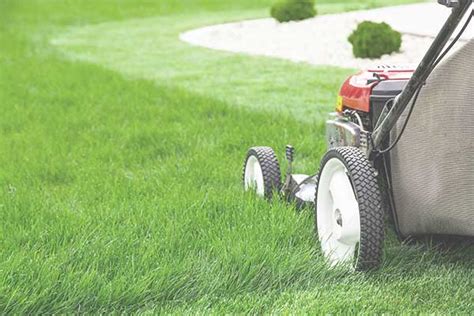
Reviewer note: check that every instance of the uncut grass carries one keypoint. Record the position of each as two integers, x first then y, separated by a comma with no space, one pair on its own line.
163,224
149,210
121,194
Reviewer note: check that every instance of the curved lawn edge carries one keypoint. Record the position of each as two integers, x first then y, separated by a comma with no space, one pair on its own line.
322,40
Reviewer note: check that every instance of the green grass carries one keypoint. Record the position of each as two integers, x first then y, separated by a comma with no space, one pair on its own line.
142,48
121,154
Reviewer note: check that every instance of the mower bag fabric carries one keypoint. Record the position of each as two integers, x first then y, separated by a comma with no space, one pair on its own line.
432,167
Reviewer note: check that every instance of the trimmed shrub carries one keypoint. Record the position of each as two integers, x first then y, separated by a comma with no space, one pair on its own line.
293,10
373,40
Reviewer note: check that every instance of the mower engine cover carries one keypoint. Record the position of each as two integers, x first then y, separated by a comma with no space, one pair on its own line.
366,93
357,90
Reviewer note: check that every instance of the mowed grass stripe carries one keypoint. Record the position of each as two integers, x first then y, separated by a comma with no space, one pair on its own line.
150,48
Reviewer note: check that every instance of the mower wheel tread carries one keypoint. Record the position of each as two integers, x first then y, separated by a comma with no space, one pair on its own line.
364,181
270,168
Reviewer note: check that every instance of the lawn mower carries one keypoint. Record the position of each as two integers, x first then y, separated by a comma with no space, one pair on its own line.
424,180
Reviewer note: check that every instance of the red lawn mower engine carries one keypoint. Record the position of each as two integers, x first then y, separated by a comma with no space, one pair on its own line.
361,100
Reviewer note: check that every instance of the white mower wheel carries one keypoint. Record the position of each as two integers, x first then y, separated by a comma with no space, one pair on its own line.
349,213
262,172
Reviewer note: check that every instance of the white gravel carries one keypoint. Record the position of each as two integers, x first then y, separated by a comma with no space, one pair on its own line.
323,40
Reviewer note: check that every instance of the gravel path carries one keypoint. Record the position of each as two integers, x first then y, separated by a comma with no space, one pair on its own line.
323,40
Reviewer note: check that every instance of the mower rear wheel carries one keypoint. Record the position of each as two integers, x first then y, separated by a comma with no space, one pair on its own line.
262,172
349,213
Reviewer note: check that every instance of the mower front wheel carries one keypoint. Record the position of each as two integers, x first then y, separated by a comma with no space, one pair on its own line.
349,213
262,172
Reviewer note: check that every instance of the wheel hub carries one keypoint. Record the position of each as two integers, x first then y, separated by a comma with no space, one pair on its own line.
253,178
337,214
338,217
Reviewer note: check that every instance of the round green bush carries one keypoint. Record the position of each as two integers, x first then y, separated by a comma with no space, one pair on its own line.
373,40
293,10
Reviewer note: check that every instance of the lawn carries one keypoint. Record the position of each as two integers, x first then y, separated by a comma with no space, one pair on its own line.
121,155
